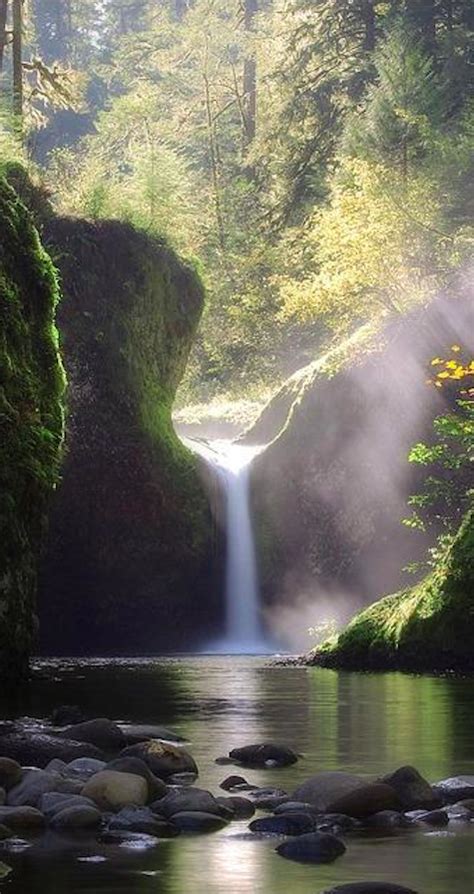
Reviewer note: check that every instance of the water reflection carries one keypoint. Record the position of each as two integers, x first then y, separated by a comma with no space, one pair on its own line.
366,723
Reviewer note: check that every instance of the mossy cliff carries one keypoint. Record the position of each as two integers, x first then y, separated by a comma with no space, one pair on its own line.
330,490
31,423
428,626
129,565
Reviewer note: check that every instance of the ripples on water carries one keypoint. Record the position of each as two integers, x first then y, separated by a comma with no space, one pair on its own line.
363,723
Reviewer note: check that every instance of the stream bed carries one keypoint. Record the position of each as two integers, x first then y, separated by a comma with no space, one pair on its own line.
363,723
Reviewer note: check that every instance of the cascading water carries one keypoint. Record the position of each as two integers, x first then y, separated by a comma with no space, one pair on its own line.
243,633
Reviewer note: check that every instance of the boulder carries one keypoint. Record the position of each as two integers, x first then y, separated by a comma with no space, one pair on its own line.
366,800
325,788
390,819
369,888
458,812
265,754
242,807
231,781
430,817
298,806
291,824
141,732
315,847
189,799
103,733
163,758
33,785
66,715
156,787
335,823
414,792
76,816
268,798
53,802
85,767
10,773
142,819
112,790
456,788
198,821
38,749
21,818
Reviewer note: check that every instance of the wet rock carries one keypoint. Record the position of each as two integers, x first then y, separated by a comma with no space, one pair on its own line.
140,732
291,824
21,818
66,715
315,847
53,802
76,816
4,833
182,779
430,817
335,823
163,758
268,798
323,789
101,732
112,790
38,749
413,791
134,840
265,754
231,782
190,799
85,767
242,807
142,819
366,800
459,813
33,785
369,888
298,806
456,788
156,787
390,819
10,773
223,761
198,821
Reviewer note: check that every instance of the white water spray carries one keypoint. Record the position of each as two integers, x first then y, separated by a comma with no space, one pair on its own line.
244,633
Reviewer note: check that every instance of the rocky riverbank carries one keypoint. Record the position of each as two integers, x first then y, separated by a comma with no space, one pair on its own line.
114,785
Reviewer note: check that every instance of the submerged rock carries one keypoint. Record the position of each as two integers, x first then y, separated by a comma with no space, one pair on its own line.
291,824
163,758
369,888
316,847
198,821
390,819
413,791
264,755
142,819
143,732
268,798
112,790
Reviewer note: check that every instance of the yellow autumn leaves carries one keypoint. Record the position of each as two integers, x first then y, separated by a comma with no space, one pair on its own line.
453,369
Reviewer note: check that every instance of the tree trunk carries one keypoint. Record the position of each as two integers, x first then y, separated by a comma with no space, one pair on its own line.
3,30
369,26
17,62
250,78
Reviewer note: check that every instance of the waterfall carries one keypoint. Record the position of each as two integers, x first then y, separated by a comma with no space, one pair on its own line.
243,628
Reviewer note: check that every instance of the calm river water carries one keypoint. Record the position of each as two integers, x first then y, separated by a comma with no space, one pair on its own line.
365,723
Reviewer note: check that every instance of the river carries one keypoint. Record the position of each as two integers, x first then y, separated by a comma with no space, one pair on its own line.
365,723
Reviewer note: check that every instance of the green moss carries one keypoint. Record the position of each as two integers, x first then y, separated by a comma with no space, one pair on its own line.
430,625
31,421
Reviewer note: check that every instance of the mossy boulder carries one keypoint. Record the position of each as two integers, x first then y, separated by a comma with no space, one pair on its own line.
428,626
31,422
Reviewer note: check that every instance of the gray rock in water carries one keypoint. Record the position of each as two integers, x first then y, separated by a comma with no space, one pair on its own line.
101,732
5,833
53,802
316,847
430,817
34,784
22,818
413,791
156,787
298,806
135,840
390,819
264,755
76,816
335,823
142,819
198,821
456,788
242,807
369,888
189,799
85,767
231,782
141,732
38,749
163,758
10,773
268,798
325,788
65,715
291,824
459,813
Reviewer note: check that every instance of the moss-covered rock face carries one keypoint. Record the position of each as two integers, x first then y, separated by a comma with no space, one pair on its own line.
331,488
31,422
129,566
428,626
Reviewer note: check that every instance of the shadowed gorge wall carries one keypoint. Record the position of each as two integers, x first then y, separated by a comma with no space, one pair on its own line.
31,423
331,489
129,566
